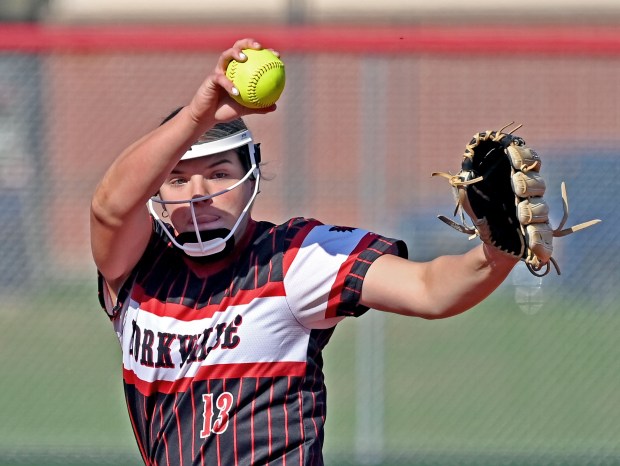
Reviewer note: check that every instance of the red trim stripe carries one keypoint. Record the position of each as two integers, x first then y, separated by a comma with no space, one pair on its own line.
219,437
184,313
472,40
300,395
204,444
253,410
235,447
345,269
138,439
218,371
193,422
179,427
269,426
293,249
218,447
286,425
164,436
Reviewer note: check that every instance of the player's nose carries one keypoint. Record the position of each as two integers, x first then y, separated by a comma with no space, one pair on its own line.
199,187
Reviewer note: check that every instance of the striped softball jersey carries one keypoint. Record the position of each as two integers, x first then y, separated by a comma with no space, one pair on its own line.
222,362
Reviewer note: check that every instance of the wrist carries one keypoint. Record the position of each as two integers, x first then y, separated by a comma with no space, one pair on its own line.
497,258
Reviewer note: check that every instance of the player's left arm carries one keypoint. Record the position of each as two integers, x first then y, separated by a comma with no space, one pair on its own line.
443,287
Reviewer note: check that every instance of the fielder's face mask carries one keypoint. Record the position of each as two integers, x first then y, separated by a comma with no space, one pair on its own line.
215,243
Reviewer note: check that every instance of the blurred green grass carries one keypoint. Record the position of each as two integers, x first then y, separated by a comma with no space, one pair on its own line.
492,383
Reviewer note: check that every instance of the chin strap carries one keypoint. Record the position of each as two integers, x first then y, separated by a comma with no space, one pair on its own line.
213,244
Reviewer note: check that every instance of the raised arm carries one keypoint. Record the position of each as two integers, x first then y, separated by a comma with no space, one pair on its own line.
443,287
120,224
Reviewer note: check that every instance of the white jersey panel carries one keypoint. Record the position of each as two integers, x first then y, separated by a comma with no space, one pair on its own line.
313,273
263,331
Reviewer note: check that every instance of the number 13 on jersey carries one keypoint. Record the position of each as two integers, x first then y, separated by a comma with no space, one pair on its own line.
223,403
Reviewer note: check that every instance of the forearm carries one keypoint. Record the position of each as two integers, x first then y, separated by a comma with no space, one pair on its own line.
120,222
139,171
443,287
458,283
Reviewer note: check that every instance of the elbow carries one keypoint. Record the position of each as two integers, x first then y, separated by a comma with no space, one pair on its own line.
435,316
100,212
111,214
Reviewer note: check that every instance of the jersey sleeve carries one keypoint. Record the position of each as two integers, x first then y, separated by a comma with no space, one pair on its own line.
325,268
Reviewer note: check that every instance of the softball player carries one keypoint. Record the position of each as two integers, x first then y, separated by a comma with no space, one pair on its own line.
221,318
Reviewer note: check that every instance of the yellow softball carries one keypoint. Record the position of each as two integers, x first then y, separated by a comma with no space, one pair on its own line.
260,79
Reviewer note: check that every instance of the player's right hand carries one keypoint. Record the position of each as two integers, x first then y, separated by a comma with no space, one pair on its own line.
212,102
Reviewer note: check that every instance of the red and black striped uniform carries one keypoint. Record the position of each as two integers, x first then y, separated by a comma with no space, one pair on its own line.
222,362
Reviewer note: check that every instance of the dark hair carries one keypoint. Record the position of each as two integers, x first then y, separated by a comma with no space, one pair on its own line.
219,131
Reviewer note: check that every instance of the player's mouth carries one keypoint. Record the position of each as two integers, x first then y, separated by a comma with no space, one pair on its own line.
206,222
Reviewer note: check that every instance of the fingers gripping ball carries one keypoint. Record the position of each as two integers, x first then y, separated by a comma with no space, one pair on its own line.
260,79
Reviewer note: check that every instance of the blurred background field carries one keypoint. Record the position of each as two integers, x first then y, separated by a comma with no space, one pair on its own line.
495,386
376,100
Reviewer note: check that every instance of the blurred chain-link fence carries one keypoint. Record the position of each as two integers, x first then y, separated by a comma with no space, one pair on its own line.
529,377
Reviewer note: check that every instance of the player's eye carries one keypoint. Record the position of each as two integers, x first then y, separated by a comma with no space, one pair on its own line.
219,176
177,181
